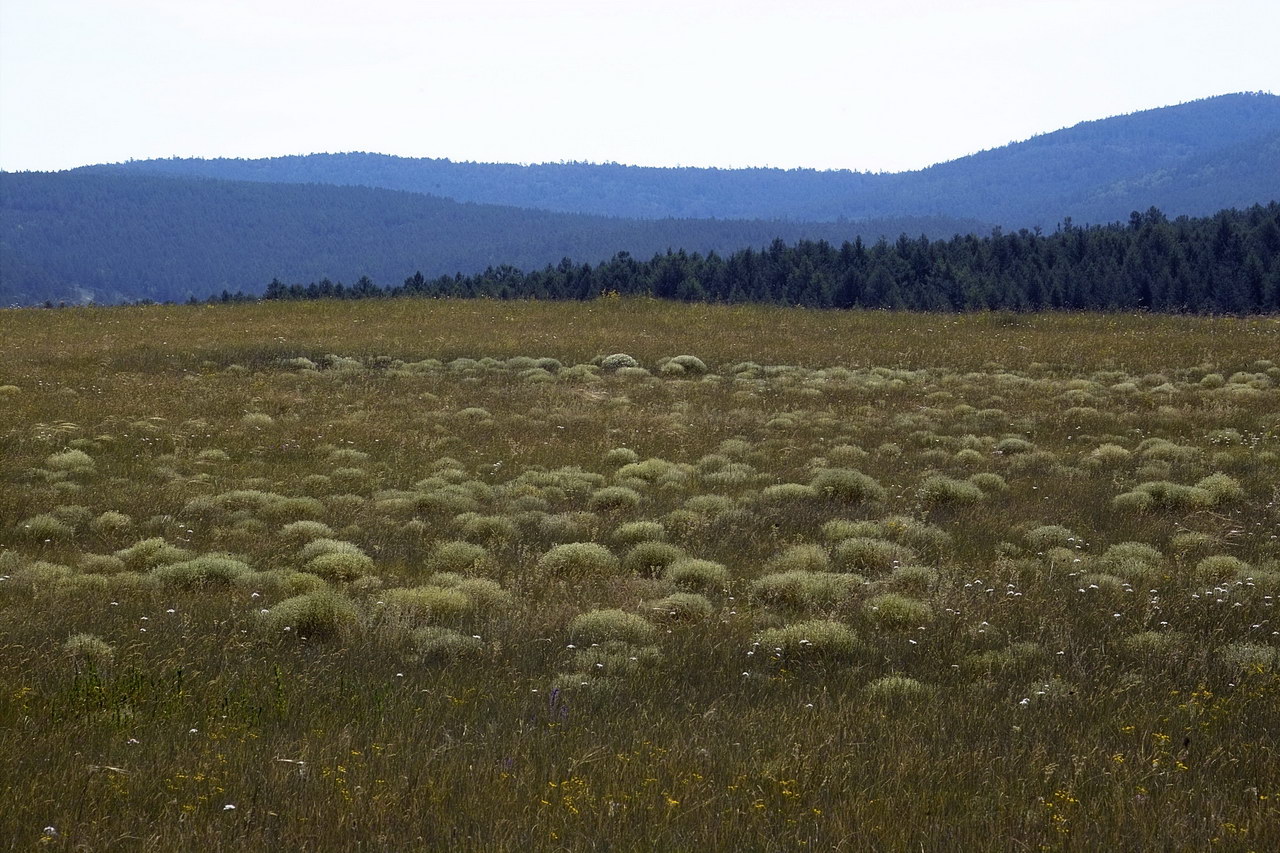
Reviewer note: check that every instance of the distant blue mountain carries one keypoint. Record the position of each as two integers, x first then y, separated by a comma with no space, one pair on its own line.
110,236
1193,159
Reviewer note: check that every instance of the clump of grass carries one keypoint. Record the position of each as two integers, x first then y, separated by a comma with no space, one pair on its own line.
619,456
486,595
579,561
912,580
1153,646
635,532
458,556
1223,488
89,650
1051,536
681,607
894,611
71,462
45,526
1137,562
789,493
651,558
599,626
147,554
306,531
1163,494
812,641
895,689
698,575
847,485
990,482
1020,659
941,490
100,564
111,523
335,559
281,581
485,528
427,603
614,499
320,615
802,590
257,420
860,554
617,658
1249,658
203,571
439,645
1217,568
616,362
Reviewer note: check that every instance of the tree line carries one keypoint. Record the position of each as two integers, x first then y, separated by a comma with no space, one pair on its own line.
1228,263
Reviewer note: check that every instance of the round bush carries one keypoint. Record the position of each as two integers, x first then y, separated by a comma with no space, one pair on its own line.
45,526
579,561
340,565
681,607
651,558
1222,488
1051,536
437,645
689,364
71,462
1220,567
897,688
318,615
613,499
813,641
206,570
893,611
913,580
325,545
429,603
939,490
870,555
801,589
486,595
306,531
148,553
847,485
698,575
635,532
617,361
89,649
598,626
457,556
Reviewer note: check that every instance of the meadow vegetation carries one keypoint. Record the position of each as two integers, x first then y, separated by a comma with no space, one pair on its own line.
630,575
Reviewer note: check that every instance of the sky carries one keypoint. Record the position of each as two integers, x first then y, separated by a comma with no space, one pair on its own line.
870,86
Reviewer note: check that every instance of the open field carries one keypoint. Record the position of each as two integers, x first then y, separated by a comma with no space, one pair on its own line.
431,575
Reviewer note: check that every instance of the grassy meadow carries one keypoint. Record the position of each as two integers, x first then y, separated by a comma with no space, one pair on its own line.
445,575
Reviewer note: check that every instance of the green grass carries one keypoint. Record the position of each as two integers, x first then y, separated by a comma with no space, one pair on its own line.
420,575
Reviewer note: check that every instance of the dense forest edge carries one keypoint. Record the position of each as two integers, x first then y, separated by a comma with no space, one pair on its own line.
84,237
1228,263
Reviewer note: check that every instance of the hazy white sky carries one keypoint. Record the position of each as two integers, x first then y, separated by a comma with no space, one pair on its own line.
818,83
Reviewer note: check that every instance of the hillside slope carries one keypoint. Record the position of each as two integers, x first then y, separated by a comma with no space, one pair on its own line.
106,237
1187,159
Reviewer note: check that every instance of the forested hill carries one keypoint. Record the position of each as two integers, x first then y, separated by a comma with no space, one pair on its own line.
83,236
1190,159
1228,263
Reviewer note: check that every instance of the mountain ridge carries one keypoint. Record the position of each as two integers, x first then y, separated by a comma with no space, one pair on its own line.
1079,171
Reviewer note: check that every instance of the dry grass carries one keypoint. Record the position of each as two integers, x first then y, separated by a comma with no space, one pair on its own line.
1037,664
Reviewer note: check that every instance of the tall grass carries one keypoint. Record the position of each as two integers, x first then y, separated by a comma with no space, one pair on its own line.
422,575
